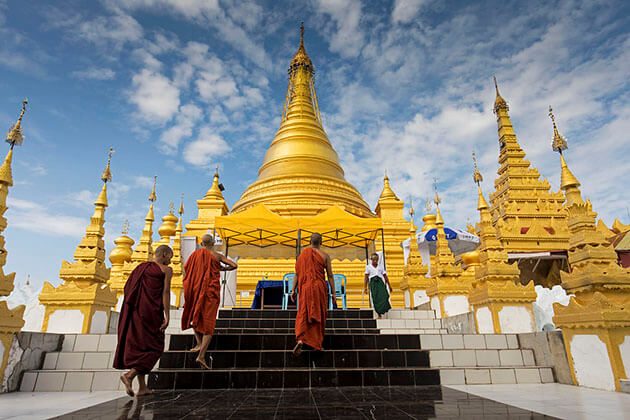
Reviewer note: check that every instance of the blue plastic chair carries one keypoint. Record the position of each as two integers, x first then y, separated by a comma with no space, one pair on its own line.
287,282
340,290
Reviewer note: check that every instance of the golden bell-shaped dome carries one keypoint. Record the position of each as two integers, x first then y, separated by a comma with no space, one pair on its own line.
301,174
169,225
429,222
122,252
471,258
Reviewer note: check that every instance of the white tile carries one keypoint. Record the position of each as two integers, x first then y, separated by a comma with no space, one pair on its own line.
107,342
70,361
502,376
528,358
496,341
78,381
428,342
106,381
86,342
510,358
28,381
68,342
426,323
383,323
452,376
50,381
453,341
487,358
477,376
388,332
97,360
474,341
437,323
512,341
546,375
527,376
464,358
440,358
412,323
50,361
398,323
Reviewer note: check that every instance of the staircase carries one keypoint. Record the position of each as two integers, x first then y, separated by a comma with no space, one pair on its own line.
252,349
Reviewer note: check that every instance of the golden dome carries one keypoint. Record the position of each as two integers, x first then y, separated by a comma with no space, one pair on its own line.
470,258
169,224
122,252
429,222
301,174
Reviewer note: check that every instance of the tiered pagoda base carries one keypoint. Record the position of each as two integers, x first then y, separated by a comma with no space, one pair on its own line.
252,349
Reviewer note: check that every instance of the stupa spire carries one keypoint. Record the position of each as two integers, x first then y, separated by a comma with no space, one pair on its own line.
177,281
526,213
120,255
15,136
144,250
387,193
568,182
478,178
301,174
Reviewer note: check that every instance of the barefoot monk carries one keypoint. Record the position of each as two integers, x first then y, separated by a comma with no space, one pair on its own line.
143,319
202,293
311,268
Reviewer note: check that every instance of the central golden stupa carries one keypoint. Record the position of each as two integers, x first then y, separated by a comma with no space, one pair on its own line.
301,174
299,181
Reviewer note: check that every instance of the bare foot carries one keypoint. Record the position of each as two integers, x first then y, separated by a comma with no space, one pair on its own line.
297,350
127,383
144,392
194,349
202,363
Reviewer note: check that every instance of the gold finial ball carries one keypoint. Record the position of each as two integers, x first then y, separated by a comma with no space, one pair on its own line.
122,252
169,225
470,258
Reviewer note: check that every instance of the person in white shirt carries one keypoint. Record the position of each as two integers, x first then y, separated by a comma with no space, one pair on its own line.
378,282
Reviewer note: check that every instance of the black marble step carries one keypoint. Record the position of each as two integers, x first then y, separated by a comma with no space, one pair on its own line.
291,313
265,331
163,379
279,359
290,323
287,341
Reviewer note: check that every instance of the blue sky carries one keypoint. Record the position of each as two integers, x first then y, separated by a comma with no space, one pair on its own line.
177,87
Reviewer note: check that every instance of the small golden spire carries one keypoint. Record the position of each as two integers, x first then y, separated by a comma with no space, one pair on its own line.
559,142
436,198
153,195
171,208
125,227
106,176
301,58
387,193
477,177
428,206
411,210
15,136
181,206
499,102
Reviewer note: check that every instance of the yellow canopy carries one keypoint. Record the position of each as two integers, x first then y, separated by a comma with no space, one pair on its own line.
260,227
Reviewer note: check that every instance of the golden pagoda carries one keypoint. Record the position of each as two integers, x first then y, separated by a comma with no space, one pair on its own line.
144,249
168,227
528,216
448,292
501,304
596,323
83,302
177,281
300,180
120,255
11,320
414,283
210,206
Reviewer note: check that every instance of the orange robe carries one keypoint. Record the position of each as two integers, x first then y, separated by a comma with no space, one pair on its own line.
310,323
202,292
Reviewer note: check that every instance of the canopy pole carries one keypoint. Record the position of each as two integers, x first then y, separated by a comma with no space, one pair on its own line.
383,248
367,253
227,248
298,247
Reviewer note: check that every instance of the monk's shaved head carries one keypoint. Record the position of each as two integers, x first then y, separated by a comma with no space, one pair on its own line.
316,239
163,250
207,240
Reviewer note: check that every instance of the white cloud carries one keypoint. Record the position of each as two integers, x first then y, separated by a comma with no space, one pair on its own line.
346,36
185,121
112,31
206,147
83,198
155,96
94,73
33,217
142,181
406,10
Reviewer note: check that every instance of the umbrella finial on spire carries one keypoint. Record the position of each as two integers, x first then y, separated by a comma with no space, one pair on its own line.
477,177
181,206
436,199
153,195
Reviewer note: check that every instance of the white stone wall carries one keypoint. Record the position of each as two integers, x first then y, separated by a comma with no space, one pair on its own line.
66,321
591,363
420,297
455,305
624,349
435,305
485,325
99,323
516,319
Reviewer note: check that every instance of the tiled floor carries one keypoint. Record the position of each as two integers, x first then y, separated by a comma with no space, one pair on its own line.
43,405
303,404
563,401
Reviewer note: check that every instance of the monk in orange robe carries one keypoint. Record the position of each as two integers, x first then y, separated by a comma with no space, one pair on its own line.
311,269
143,319
202,294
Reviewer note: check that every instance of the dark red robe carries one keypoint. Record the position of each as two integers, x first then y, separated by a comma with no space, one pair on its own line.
140,341
310,323
202,292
